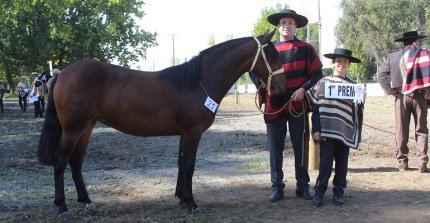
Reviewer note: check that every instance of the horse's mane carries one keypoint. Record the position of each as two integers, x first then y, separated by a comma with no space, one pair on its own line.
188,74
183,76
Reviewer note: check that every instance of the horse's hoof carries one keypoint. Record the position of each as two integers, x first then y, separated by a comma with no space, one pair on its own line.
90,206
65,216
183,205
195,211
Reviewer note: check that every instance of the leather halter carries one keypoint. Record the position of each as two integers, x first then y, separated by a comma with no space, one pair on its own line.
271,73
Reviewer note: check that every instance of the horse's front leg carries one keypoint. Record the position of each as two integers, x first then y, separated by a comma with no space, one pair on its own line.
189,144
180,180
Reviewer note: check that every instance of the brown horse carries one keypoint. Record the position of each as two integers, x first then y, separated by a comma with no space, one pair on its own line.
179,100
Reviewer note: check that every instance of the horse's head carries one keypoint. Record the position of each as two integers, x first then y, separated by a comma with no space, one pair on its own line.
267,64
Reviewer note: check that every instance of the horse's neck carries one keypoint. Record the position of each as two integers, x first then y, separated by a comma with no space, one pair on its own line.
223,73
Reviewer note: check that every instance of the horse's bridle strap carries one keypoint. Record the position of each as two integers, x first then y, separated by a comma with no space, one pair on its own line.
260,49
271,73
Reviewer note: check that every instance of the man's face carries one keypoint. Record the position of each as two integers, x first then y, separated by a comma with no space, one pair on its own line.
418,42
287,27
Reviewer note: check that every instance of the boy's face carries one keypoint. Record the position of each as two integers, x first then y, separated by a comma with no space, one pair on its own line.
341,64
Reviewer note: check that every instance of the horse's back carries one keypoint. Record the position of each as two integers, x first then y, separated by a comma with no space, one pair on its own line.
93,78
89,88
131,101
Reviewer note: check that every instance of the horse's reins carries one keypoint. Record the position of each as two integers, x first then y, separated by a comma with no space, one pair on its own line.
289,103
260,50
281,70
271,73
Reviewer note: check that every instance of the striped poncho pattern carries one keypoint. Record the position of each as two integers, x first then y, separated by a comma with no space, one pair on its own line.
339,119
417,70
302,69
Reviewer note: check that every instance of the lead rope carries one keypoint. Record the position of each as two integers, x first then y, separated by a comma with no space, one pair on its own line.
290,108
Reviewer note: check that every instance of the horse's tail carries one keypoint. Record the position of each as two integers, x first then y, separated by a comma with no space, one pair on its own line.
51,132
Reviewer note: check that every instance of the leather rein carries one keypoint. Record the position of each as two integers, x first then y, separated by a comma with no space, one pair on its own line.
269,82
260,50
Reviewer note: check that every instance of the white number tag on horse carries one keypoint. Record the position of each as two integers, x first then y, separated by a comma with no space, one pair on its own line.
211,104
345,91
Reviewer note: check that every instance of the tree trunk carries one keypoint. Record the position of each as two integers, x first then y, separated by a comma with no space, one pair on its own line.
9,78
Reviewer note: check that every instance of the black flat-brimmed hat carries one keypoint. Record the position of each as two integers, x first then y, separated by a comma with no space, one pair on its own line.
339,52
410,35
300,20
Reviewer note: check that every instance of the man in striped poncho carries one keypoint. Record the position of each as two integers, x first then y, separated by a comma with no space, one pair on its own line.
407,82
336,125
302,70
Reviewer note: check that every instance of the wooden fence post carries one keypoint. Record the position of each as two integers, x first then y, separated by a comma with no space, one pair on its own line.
314,149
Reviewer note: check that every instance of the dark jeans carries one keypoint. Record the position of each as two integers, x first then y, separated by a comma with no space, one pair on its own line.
1,105
38,112
276,133
42,103
22,100
332,149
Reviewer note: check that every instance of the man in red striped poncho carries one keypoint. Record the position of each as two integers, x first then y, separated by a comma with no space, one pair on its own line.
302,70
404,75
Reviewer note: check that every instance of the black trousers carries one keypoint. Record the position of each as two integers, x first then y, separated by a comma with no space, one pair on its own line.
42,103
22,100
38,112
1,105
332,150
276,133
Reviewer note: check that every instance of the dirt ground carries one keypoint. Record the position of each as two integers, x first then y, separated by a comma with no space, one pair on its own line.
133,179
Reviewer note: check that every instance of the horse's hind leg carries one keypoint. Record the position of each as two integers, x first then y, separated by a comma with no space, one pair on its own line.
62,155
76,161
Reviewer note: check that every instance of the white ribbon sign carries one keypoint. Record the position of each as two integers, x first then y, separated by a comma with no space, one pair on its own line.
345,91
211,104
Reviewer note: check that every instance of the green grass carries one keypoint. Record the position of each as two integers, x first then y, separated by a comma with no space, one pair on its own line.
110,176
4,195
257,163
11,97
29,194
379,106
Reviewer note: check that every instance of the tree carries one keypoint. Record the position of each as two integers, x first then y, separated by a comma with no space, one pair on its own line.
35,31
371,32
426,41
211,40
361,72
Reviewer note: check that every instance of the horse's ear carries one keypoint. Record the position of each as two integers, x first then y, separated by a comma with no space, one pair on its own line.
267,36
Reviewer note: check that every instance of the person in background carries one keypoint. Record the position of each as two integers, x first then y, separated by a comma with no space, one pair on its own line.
55,73
391,78
38,91
302,70
336,125
1,96
22,88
